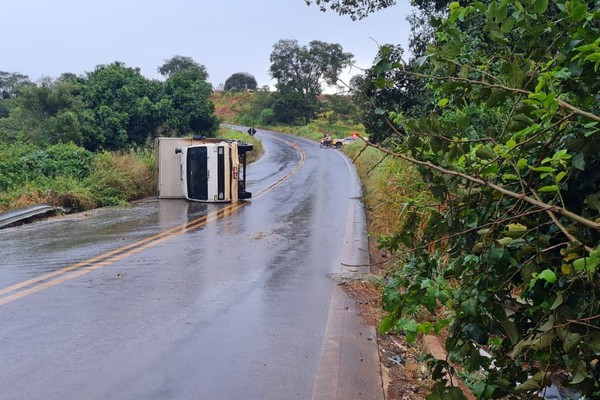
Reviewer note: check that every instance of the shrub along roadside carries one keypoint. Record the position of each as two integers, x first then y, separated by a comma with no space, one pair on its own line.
81,181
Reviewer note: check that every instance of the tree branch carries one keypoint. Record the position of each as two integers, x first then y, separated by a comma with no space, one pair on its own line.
562,103
558,210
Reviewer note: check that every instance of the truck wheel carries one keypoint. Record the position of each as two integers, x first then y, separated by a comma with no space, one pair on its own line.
245,147
338,145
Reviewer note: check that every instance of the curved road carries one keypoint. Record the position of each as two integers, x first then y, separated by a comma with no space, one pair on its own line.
175,300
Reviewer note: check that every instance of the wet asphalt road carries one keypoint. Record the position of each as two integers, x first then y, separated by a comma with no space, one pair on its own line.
176,300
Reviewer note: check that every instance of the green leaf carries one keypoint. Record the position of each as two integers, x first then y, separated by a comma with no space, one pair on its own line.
479,5
564,73
456,394
578,12
542,80
515,230
571,340
510,177
544,169
443,102
557,302
580,373
421,60
548,275
560,176
550,188
528,385
470,307
497,36
561,155
593,57
544,341
578,161
508,25
454,5
540,6
386,324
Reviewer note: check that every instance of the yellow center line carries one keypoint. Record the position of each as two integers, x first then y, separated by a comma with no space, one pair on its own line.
193,223
108,261
286,176
61,275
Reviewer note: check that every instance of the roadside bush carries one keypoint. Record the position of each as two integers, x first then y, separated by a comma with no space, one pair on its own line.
62,175
118,178
20,163
59,160
67,192
267,116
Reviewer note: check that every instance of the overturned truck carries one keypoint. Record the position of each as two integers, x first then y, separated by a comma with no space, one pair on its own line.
199,169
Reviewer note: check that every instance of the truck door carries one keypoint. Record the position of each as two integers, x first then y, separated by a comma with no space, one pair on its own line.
197,173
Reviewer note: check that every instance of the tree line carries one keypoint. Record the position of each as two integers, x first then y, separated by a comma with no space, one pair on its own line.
115,107
110,108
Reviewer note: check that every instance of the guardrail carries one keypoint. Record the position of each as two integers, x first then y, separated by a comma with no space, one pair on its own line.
16,216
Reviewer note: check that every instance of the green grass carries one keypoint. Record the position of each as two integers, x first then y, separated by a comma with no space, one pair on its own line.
392,188
232,134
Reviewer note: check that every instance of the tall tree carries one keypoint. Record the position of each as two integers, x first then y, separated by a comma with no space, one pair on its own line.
291,107
303,69
123,104
51,111
188,96
178,63
240,81
11,82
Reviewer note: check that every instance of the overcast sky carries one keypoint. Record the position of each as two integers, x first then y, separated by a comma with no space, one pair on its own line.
51,37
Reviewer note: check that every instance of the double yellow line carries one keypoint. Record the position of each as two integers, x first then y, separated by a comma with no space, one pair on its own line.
45,281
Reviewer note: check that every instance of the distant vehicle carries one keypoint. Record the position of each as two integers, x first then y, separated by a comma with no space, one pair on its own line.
330,144
350,139
355,137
